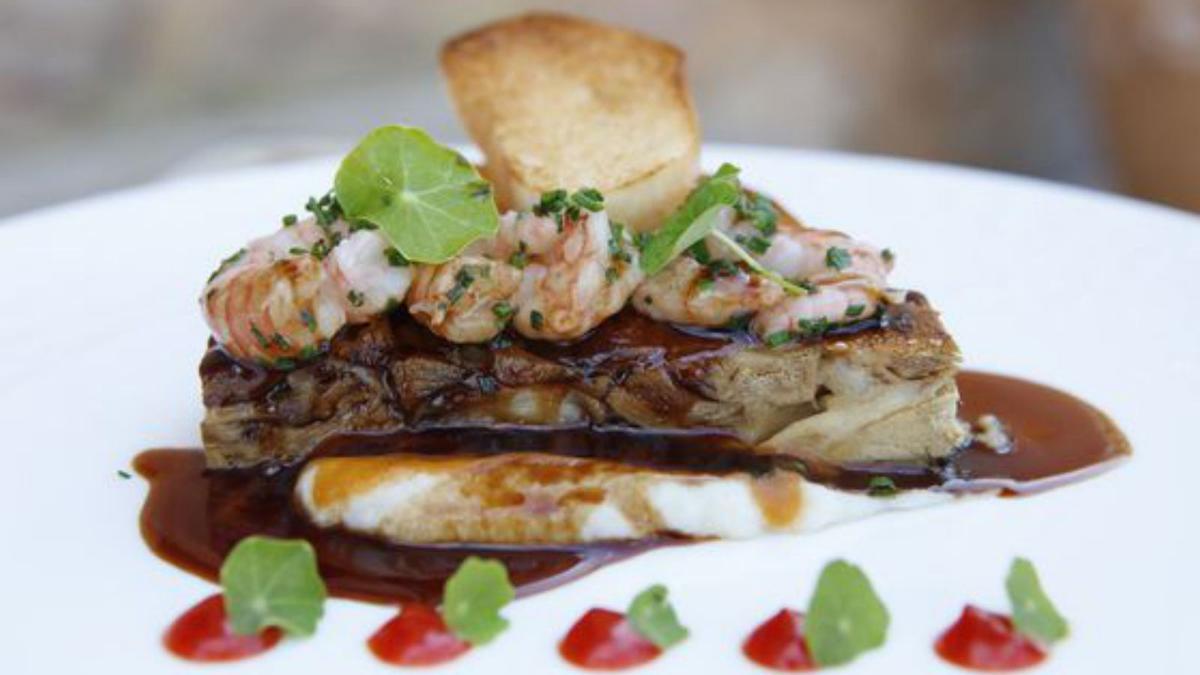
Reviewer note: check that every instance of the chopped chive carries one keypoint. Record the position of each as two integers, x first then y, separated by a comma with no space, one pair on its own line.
611,275
588,198
881,486
552,202
394,257
124,474
355,298
502,311
536,320
462,281
855,310
888,256
289,220
837,258
778,338
309,321
227,263
258,335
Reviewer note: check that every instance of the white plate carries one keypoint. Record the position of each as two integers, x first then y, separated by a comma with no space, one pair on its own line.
101,336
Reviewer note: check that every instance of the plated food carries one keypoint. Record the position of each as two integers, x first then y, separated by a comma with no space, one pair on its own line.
584,348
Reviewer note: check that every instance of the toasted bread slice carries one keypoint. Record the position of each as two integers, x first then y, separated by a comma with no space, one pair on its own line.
560,102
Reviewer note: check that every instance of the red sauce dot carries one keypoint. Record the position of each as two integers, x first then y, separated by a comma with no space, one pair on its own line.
603,640
416,636
983,640
779,643
203,634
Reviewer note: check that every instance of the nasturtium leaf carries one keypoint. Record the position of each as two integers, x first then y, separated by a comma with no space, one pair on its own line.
694,220
427,199
653,617
845,616
272,582
473,598
1033,613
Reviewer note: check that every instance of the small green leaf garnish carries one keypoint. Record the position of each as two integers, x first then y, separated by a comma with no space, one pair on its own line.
1033,613
428,203
272,582
122,473
536,320
694,220
289,220
653,617
473,598
881,486
845,616
855,310
837,258
888,256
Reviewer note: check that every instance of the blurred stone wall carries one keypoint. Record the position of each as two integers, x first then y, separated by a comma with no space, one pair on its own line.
96,94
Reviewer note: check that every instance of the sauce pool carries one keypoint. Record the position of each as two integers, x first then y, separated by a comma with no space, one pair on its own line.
779,643
192,517
417,636
983,640
203,634
604,640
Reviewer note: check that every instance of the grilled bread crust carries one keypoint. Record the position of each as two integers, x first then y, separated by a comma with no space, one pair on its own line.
560,102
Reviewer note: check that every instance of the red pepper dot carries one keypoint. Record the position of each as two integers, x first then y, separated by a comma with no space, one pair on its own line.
417,636
779,643
203,634
983,640
603,640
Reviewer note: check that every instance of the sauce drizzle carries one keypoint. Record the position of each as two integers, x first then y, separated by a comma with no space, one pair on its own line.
193,517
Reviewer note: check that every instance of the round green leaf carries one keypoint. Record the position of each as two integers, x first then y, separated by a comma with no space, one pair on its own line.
473,598
427,199
845,616
272,582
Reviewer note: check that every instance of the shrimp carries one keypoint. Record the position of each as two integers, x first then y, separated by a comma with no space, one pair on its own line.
285,295
465,299
828,304
575,275
846,279
796,252
687,292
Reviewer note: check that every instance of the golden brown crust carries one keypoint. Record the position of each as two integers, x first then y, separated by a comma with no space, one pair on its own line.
561,102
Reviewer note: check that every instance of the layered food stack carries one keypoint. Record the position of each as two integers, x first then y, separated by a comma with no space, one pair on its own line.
632,349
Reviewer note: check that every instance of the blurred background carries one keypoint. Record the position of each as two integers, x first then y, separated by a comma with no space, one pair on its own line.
98,94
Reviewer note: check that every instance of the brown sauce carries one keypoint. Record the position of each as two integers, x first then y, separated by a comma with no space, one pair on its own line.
193,517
